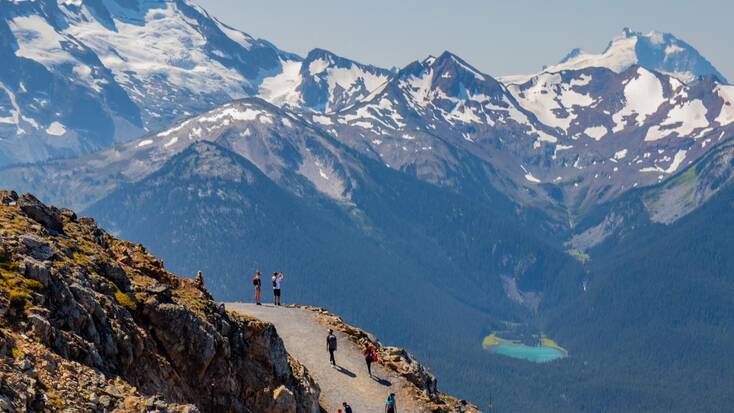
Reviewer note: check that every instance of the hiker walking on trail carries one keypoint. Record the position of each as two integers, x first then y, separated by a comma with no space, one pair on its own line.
331,347
347,407
390,404
278,278
370,356
257,282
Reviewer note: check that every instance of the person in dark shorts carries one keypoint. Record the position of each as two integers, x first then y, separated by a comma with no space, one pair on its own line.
257,282
331,347
278,278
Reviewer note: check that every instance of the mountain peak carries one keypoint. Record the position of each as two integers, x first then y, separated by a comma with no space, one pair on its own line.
445,64
319,53
662,52
324,82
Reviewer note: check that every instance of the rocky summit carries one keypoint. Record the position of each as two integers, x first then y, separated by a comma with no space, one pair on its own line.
90,323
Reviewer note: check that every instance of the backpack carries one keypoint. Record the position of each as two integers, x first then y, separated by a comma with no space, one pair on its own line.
390,402
332,342
373,354
275,284
255,281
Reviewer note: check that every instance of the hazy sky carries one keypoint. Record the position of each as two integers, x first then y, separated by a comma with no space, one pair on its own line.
498,37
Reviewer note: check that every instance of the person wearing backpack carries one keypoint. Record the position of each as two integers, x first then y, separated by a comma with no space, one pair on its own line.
278,278
331,347
390,404
370,356
347,407
257,282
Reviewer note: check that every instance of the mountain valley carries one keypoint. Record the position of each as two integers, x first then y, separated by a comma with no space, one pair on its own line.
433,204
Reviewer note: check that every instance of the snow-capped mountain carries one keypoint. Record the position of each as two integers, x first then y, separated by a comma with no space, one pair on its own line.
661,52
78,76
293,154
322,82
426,118
81,75
575,138
86,75
623,130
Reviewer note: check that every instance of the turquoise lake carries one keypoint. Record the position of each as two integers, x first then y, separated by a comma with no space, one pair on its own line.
535,354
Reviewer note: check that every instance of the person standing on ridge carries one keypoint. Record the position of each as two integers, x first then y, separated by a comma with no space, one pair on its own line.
390,404
370,356
199,280
257,282
278,278
331,347
347,407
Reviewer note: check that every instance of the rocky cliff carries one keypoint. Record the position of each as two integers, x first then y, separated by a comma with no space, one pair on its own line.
92,323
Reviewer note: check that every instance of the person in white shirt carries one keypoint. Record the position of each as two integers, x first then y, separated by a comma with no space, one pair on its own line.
278,278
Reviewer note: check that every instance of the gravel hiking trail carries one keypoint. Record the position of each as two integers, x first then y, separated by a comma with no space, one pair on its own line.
305,339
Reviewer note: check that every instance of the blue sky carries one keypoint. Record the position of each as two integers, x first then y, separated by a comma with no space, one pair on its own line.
498,37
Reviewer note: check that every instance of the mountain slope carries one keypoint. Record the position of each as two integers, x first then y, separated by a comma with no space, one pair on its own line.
662,295
408,246
91,323
292,153
82,76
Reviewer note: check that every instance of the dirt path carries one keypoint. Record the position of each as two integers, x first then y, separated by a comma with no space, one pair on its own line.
305,339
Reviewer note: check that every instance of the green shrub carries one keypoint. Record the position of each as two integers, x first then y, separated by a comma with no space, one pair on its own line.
19,300
125,300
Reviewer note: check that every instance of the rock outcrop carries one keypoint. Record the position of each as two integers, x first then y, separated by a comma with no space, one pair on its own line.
92,323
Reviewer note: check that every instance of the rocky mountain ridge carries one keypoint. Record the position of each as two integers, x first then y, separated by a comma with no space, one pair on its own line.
79,303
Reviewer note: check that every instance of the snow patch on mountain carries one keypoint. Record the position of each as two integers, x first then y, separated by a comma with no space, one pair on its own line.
688,117
552,100
596,132
282,89
726,115
529,176
643,96
675,163
229,113
15,114
56,129
39,41
322,120
619,155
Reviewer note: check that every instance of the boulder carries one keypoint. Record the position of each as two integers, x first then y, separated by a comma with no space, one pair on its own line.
37,247
49,217
37,270
284,401
40,328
